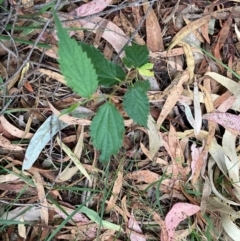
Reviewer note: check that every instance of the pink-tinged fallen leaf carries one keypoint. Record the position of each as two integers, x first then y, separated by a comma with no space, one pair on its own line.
229,121
113,34
78,217
133,224
227,104
178,213
135,232
134,236
92,7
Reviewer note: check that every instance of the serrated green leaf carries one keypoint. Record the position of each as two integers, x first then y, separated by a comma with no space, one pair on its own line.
107,130
108,73
75,65
136,55
136,104
145,85
146,70
147,66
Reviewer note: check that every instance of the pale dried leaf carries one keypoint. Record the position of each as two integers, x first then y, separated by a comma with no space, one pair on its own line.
197,110
43,135
92,7
216,205
117,187
189,58
218,155
237,32
143,176
68,119
22,229
14,130
206,192
214,190
68,172
8,178
172,96
79,146
53,75
230,227
231,85
28,214
188,113
232,164
155,139
42,197
74,159
6,144
195,153
188,29
112,34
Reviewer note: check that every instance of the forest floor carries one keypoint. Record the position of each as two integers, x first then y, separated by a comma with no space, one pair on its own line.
173,172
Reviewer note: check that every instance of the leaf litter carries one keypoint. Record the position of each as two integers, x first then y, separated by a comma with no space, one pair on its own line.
176,178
